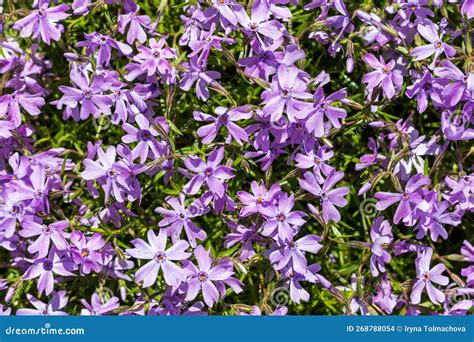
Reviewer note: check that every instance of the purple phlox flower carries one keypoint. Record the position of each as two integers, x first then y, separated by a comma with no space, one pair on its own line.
291,253
192,29
10,243
330,198
155,58
98,306
297,292
381,235
468,251
203,78
461,83
322,107
43,22
48,159
467,9
87,251
407,200
225,118
417,8
208,278
259,24
414,159
27,77
460,191
255,311
429,31
460,308
224,202
135,30
259,198
45,268
455,126
208,41
180,217
356,304
160,257
104,44
173,303
262,129
11,104
52,308
267,157
145,138
426,276
210,172
403,129
5,311
123,100
227,10
90,95
112,214
384,75
384,297
287,92
432,216
316,160
11,55
370,159
280,218
116,267
11,212
246,235
110,174
80,7
33,189
426,86
261,62
47,234
325,6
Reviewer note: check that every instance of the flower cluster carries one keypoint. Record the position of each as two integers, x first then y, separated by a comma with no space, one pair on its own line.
208,157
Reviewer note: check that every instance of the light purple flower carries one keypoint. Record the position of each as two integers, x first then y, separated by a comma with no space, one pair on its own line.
160,257
259,198
210,172
45,268
180,217
279,218
381,234
97,307
52,308
208,278
225,118
432,215
145,138
408,199
383,76
287,92
135,30
293,252
42,22
87,251
47,234
111,174
429,31
322,108
90,95
155,58
330,198
426,276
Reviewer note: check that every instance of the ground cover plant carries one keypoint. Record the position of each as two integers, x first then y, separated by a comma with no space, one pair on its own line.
224,157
